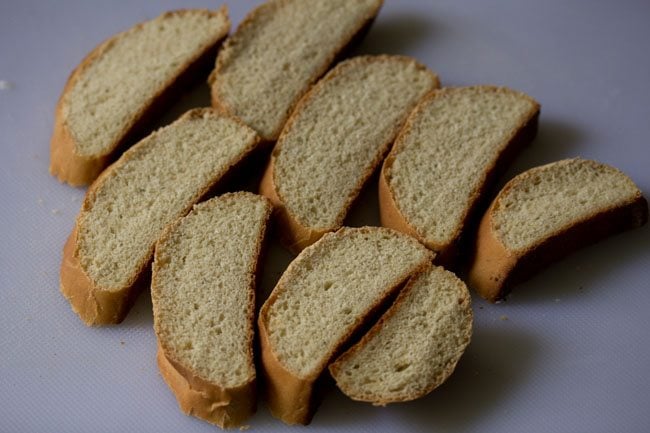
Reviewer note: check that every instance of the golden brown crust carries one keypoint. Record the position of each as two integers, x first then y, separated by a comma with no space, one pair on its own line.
389,211
225,407
101,306
250,21
495,269
289,396
334,368
93,305
80,170
293,233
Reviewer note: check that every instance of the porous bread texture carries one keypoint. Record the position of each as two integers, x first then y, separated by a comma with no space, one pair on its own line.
445,157
546,213
127,208
130,70
338,135
325,294
278,51
414,347
203,299
546,199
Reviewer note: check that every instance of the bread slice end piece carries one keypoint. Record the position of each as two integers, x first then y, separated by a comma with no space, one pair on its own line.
293,235
225,408
94,306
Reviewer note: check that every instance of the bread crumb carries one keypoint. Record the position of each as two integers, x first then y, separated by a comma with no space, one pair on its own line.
56,212
503,318
122,343
244,427
5,85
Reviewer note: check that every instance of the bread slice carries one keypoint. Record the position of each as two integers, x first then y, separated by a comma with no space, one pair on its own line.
547,212
336,138
123,83
128,206
280,49
414,347
324,296
452,148
203,294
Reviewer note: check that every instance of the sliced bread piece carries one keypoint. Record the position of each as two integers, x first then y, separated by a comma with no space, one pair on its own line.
336,138
280,49
546,213
414,347
123,83
203,294
127,208
323,297
447,156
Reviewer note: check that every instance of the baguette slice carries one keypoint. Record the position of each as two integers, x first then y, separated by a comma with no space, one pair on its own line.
447,156
280,49
203,293
336,138
546,213
123,83
323,297
127,208
414,347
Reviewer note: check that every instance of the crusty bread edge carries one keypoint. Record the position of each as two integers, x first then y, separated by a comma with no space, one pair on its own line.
98,306
495,269
334,368
389,212
79,170
225,407
294,234
289,396
221,105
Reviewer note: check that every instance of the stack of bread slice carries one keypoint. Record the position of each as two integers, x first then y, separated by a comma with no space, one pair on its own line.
440,150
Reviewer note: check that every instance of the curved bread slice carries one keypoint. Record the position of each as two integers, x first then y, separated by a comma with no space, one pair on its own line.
336,138
414,347
128,206
547,212
324,296
453,146
203,293
278,51
123,83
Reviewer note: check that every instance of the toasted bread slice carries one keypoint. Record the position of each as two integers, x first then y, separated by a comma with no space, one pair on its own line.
336,138
280,49
452,148
324,296
546,213
123,83
203,293
127,208
414,347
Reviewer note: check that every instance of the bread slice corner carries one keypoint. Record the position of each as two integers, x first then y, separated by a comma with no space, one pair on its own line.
547,212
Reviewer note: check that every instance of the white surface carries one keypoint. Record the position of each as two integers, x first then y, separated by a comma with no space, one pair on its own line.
574,352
